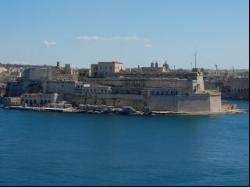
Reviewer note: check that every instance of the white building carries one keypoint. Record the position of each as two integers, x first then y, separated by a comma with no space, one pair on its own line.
103,69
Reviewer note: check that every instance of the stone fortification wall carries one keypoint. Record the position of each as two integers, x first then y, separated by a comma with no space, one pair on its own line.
137,101
163,103
215,103
194,103
180,103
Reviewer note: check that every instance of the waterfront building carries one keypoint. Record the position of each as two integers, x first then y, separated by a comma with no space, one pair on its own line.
60,105
76,92
16,88
231,87
89,94
38,99
237,88
11,101
179,94
159,90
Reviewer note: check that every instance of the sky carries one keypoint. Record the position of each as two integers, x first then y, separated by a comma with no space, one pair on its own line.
135,32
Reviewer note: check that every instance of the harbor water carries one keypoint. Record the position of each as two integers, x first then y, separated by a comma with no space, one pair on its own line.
43,148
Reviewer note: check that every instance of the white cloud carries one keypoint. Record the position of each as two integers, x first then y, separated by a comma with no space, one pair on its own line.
148,45
112,38
49,43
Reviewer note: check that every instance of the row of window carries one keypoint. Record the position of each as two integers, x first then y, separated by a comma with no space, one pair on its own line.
35,102
93,91
136,85
106,68
168,92
32,96
243,90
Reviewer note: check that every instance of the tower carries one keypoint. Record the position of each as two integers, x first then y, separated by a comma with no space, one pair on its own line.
195,59
156,64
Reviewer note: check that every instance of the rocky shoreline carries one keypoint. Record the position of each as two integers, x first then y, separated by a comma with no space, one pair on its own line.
127,110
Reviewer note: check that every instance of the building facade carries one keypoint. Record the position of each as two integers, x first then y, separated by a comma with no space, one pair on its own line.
236,88
39,99
104,69
83,74
184,95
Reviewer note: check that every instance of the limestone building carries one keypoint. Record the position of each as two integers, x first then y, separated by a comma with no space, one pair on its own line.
48,73
154,68
104,69
39,99
83,74
185,94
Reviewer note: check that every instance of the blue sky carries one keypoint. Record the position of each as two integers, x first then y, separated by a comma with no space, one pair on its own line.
135,32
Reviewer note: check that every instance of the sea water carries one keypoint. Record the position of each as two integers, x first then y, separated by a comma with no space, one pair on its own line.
39,148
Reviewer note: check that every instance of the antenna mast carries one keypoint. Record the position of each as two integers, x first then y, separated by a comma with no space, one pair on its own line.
195,59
